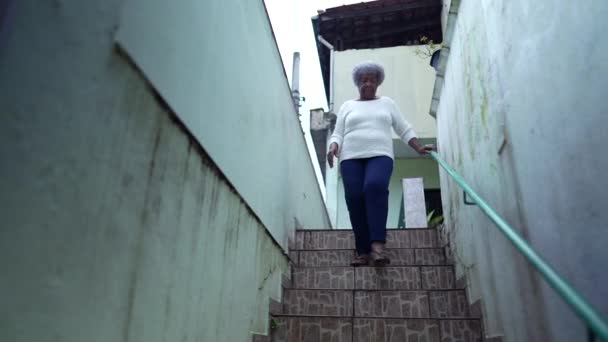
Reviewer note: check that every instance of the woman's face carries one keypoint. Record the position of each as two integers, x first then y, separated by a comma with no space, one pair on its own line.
368,84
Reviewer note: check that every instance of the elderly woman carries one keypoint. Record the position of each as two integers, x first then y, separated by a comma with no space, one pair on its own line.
363,142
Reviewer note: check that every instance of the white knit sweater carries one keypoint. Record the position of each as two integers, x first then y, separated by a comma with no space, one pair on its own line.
363,128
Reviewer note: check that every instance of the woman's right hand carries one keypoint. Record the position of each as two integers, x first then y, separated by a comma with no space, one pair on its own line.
333,151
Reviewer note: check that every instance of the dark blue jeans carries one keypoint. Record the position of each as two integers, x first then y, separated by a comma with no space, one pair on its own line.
366,191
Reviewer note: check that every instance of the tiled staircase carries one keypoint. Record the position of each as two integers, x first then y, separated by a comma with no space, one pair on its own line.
415,299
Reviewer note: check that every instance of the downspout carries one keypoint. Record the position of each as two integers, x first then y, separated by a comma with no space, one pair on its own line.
295,82
331,198
331,72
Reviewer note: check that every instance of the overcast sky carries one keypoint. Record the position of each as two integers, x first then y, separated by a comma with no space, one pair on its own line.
291,22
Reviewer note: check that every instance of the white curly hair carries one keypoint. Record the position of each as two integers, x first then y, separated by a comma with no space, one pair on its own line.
368,68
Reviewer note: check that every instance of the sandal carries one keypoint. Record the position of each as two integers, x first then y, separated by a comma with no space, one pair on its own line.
360,260
377,255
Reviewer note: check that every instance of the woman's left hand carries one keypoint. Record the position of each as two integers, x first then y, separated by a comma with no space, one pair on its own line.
424,150
421,149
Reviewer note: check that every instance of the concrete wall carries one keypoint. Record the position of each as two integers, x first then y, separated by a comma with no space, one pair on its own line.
522,117
116,225
403,168
217,65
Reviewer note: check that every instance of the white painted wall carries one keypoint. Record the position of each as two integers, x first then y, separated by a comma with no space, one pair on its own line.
533,74
217,65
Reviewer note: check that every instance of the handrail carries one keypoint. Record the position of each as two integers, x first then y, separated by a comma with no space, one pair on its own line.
596,325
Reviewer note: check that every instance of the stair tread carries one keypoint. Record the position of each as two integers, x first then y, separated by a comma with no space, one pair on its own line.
374,290
377,267
376,303
344,257
350,230
337,329
344,239
387,278
380,317
373,267
352,249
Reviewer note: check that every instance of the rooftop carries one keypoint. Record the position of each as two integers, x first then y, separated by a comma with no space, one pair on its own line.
376,24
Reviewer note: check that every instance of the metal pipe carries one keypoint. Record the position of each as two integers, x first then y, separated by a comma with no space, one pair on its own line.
331,71
295,81
325,42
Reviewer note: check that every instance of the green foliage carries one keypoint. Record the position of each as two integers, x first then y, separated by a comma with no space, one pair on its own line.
433,221
273,324
428,47
429,215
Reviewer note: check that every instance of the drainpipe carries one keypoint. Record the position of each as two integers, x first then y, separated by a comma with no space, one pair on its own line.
295,81
332,176
331,72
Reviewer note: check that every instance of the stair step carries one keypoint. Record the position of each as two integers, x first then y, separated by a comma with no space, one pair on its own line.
328,277
385,330
344,239
438,277
318,302
395,304
343,257
374,278
370,303
312,329
388,278
460,330
449,304
261,338
315,329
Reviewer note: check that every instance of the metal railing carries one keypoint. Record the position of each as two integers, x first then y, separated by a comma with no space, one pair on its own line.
597,327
